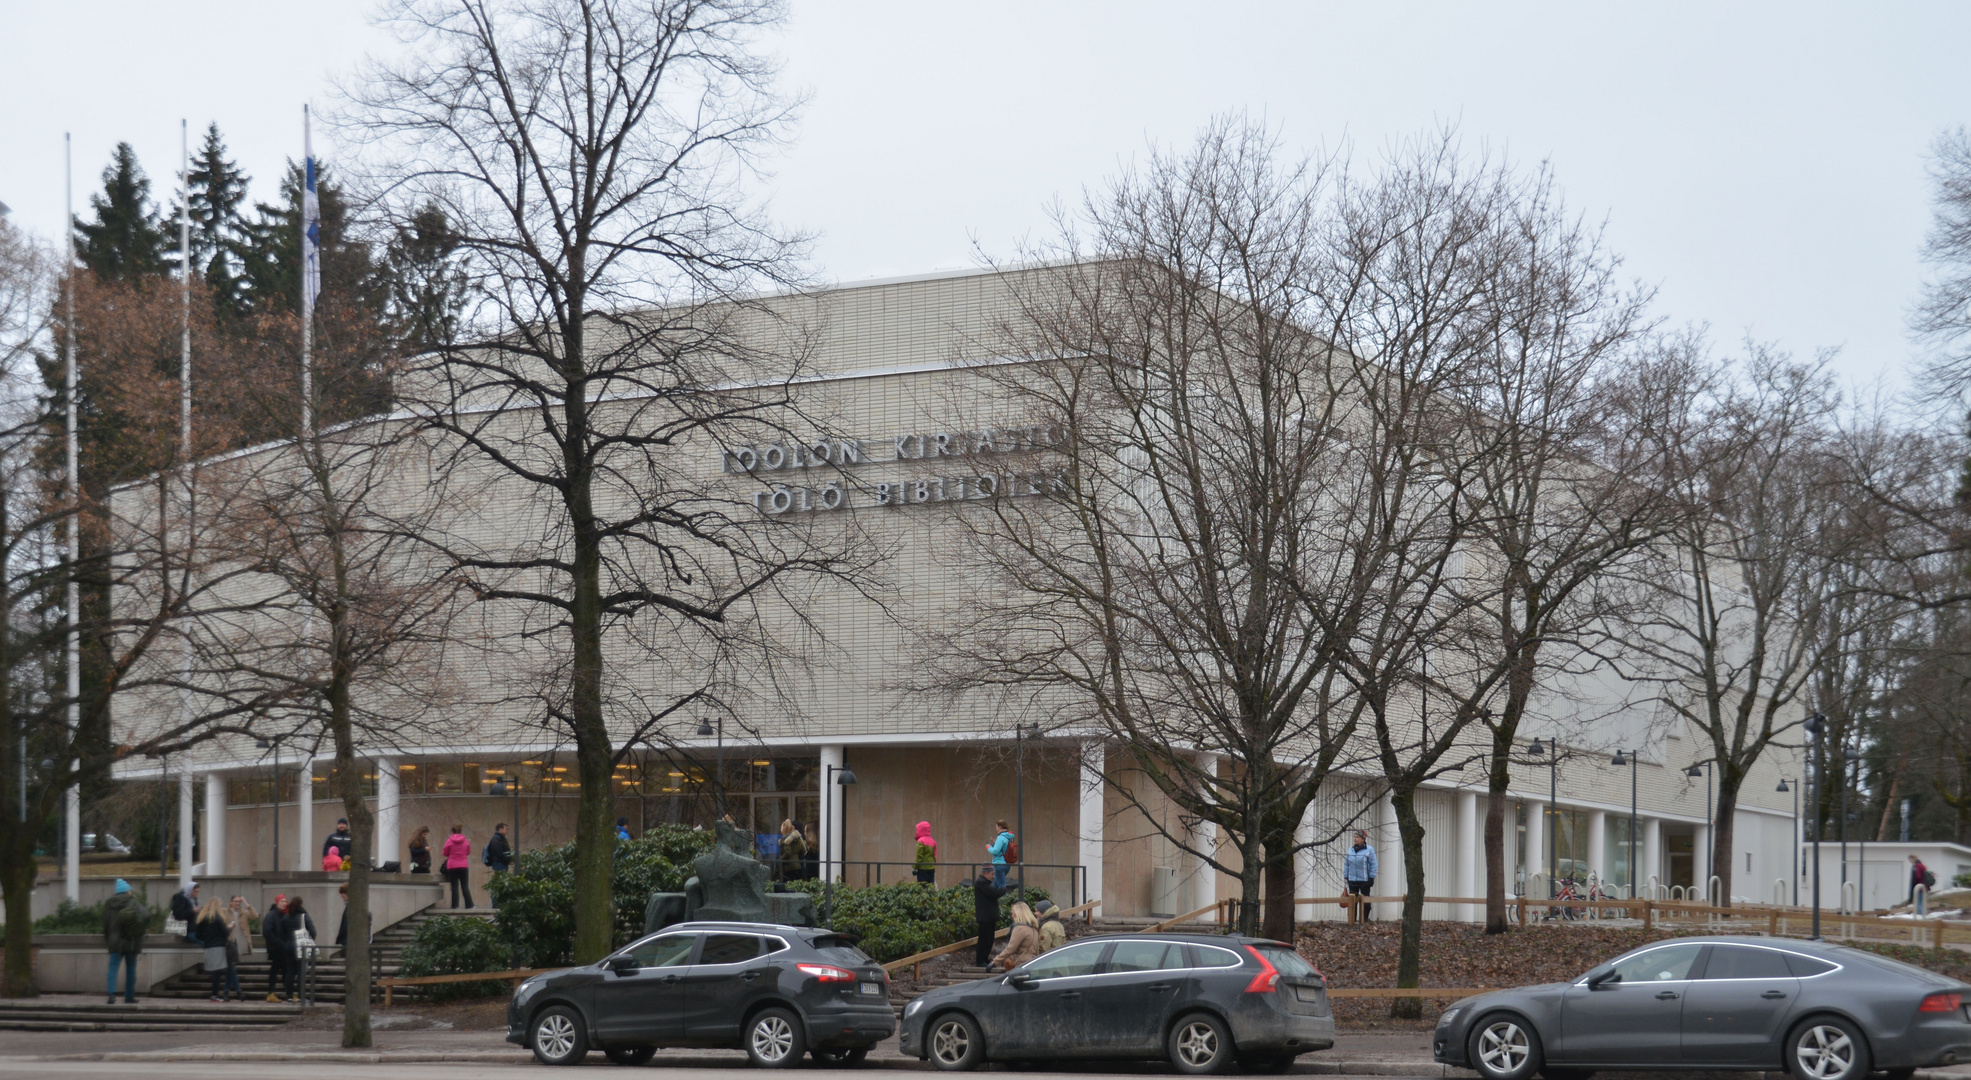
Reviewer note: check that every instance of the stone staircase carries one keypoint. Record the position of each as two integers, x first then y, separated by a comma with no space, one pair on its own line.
331,973
69,1012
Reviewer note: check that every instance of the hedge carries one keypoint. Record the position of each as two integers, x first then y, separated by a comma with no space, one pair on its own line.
536,899
457,945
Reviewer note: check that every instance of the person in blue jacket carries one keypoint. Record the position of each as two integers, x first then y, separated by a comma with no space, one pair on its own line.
998,849
1358,869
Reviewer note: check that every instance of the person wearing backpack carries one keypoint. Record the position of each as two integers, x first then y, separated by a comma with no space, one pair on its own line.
1920,874
1005,851
498,855
125,921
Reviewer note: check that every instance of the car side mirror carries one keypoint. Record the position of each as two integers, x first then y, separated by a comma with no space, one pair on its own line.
1602,978
1019,979
620,964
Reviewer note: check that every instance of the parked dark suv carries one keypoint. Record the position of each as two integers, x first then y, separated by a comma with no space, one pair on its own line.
777,992
1203,1001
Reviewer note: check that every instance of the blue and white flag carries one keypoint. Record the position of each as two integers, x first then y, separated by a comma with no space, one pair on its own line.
311,225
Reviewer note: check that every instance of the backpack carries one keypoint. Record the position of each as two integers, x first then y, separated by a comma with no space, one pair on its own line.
1012,850
1929,878
486,856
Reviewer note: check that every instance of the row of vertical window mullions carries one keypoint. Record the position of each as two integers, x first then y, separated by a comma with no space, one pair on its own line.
543,776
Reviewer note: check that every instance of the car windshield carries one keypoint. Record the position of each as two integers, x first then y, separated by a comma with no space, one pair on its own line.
1286,961
840,950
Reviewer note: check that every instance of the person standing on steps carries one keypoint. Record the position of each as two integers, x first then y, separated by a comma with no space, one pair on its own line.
239,941
926,863
125,921
1358,869
339,842
1004,849
297,932
985,908
184,908
279,941
499,851
457,854
1052,934
211,929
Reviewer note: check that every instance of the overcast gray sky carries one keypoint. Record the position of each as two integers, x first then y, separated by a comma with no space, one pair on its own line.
1764,164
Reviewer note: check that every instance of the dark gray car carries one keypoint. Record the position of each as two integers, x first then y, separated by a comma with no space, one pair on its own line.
1824,1011
1203,1001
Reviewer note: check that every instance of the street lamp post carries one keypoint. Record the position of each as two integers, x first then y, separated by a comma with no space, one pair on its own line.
500,788
1814,724
1553,818
843,775
1848,758
1634,763
1794,858
1703,768
718,791
275,743
1020,735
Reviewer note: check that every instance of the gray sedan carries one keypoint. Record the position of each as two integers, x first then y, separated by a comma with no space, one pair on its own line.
1824,1011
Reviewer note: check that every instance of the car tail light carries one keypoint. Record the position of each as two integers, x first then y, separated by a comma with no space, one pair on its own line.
1268,977
1941,1003
824,973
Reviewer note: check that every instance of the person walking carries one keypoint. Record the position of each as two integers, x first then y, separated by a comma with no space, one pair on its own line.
1919,874
125,921
239,941
1023,944
499,851
1052,934
1004,849
211,930
793,851
623,827
1358,869
926,864
421,850
985,908
279,942
811,858
457,854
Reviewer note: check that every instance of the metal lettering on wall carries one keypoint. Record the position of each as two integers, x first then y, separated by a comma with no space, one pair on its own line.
785,498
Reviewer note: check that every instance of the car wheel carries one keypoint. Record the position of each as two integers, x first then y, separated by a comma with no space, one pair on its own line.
1199,1045
1267,1064
956,1043
1504,1047
774,1039
634,1055
840,1058
1827,1048
557,1037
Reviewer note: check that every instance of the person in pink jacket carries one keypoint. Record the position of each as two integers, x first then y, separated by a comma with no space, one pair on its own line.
457,854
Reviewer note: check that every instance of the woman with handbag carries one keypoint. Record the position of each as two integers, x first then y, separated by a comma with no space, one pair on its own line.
210,929
457,853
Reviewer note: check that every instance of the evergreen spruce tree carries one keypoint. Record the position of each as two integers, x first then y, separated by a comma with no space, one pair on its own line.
125,242
219,229
426,281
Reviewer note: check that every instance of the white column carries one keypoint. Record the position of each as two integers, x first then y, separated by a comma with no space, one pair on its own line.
185,829
1652,851
1468,854
1390,876
1536,844
388,795
1204,884
72,871
1597,844
304,817
215,824
831,812
1700,867
1303,864
1093,819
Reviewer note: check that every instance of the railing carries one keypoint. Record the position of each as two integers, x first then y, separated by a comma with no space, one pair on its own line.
861,874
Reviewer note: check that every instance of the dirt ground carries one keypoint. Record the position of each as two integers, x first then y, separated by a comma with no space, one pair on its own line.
484,1014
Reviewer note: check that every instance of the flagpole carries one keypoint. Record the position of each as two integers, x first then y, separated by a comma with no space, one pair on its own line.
72,799
186,839
310,276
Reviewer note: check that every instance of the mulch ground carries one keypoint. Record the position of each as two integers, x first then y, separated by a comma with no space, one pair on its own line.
483,1014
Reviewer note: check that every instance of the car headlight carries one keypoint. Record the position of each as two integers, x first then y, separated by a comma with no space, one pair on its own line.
1449,1015
915,1004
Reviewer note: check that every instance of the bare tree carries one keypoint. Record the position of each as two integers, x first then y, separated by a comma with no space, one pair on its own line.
588,158
1155,593
1944,315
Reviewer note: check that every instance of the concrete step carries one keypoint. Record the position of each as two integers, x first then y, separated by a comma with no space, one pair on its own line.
70,1014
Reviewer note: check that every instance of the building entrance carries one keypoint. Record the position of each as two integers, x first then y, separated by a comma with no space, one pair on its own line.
1680,859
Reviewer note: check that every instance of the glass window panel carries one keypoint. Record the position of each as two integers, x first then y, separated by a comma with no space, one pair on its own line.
410,780
1669,963
1212,956
1806,967
1141,956
445,778
1068,961
1740,962
797,774
729,949
666,950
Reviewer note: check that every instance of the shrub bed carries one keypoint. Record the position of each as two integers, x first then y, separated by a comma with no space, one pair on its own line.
536,899
895,921
457,945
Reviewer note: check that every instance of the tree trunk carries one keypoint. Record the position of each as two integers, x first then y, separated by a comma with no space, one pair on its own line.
1279,884
1889,804
1409,957
1721,836
1252,865
362,824
17,873
1495,832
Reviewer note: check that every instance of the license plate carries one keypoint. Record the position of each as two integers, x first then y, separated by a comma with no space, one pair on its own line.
1307,993
871,988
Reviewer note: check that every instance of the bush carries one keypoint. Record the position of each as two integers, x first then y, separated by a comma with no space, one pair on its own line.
897,920
73,918
458,945
1962,881
536,899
